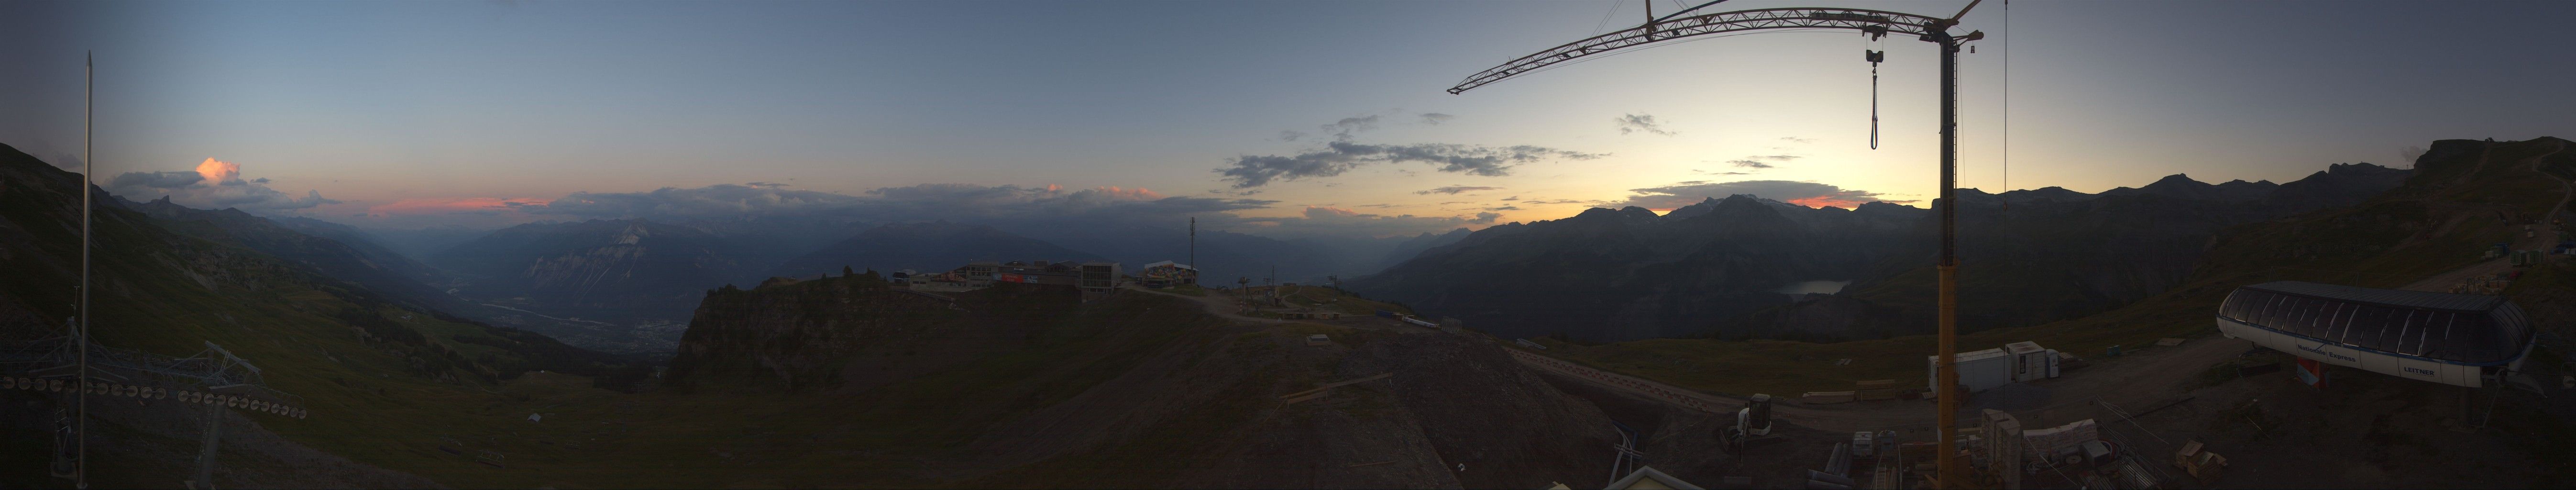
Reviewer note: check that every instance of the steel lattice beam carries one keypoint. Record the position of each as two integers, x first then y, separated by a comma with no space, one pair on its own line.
1685,27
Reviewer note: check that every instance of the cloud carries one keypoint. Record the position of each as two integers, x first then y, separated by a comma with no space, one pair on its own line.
1513,198
215,184
1023,209
1291,135
1504,208
1002,205
219,171
1640,122
1485,218
1722,173
1341,156
1327,220
1434,118
1343,129
1759,161
1794,139
721,200
1808,194
1455,189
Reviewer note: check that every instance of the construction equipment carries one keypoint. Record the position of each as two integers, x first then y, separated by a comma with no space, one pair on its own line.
1873,24
2199,462
1752,426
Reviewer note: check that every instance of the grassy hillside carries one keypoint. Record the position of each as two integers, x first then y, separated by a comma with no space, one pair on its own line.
2437,222
370,371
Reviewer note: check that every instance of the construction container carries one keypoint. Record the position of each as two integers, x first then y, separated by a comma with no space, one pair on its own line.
1978,371
2030,362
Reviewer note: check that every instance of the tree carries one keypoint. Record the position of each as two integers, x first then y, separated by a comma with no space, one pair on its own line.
845,271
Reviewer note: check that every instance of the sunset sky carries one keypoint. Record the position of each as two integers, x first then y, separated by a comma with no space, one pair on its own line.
410,114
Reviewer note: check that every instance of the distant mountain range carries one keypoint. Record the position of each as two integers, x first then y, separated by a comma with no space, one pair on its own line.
623,285
1717,268
618,270
924,247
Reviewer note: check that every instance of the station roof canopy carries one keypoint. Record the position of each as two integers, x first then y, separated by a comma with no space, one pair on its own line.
2385,297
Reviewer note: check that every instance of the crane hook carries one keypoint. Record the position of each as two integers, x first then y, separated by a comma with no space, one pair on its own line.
1874,57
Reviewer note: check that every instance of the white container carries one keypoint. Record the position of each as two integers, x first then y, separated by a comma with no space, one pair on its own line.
1980,371
1863,444
2031,362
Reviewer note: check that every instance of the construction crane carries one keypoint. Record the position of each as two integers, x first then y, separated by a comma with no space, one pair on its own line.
1689,23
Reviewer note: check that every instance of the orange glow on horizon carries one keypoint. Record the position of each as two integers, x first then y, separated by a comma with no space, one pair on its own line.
1829,201
433,205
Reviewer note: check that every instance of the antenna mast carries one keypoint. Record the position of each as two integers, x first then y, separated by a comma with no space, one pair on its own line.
1194,250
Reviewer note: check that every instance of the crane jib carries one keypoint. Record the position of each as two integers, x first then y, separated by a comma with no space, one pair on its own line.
1872,22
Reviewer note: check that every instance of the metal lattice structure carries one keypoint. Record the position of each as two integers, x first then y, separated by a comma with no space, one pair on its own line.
211,376
1701,25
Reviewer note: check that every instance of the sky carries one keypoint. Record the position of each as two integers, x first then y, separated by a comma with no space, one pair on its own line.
1290,117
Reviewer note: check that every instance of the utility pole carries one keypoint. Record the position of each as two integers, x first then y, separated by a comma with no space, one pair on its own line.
89,113
1874,23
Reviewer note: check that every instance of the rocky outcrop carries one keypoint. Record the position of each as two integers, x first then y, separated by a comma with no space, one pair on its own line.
843,333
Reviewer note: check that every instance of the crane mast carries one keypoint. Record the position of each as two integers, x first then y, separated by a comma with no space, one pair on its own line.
1688,23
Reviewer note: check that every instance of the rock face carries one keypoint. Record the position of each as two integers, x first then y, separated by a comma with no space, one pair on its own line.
1715,268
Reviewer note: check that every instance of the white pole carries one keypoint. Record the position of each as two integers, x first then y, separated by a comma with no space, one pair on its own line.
89,111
